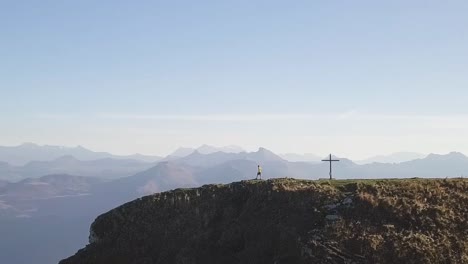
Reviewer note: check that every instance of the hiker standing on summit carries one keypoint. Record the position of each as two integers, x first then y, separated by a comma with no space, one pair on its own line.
259,172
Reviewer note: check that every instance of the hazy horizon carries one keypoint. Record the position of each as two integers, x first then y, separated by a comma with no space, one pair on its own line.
167,151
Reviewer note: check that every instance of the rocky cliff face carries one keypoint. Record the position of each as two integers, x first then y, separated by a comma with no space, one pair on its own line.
288,221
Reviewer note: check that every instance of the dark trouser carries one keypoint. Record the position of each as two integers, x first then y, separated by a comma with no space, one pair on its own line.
259,174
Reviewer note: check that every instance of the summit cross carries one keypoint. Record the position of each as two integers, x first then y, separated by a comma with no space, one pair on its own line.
330,160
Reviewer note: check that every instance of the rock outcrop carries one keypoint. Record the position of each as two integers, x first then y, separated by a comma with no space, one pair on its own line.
288,221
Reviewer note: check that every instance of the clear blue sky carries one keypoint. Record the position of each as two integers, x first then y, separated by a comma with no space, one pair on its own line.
353,77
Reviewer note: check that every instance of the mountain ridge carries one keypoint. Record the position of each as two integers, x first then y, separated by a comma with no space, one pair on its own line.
105,167
397,157
204,149
26,152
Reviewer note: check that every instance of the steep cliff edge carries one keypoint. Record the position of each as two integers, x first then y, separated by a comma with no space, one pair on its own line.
288,221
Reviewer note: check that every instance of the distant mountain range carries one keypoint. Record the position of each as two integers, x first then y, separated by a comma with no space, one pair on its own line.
215,158
393,158
205,149
397,157
24,153
107,168
308,157
27,152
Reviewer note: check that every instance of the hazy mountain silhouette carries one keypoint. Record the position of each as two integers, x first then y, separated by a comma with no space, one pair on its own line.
164,176
307,157
105,168
197,169
212,159
433,166
207,149
8,172
207,160
170,175
393,158
262,155
181,152
24,153
204,149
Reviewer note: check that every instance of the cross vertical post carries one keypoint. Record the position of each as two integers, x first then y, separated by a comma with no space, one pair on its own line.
330,160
